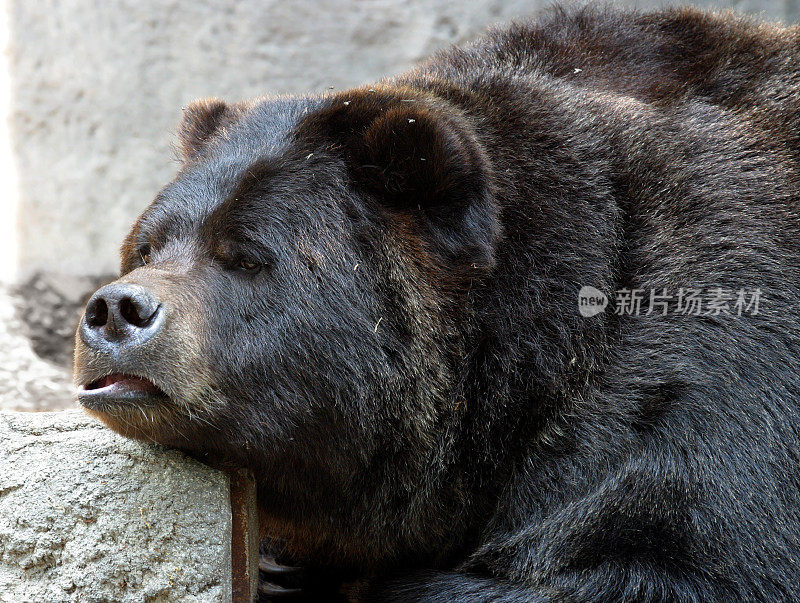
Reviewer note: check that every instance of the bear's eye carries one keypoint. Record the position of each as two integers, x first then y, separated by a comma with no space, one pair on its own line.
246,265
144,254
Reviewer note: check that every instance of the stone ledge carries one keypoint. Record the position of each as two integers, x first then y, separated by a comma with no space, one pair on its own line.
87,515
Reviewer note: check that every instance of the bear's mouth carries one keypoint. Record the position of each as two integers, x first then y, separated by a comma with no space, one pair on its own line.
118,388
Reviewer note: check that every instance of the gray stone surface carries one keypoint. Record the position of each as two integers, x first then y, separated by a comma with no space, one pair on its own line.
98,87
88,516
27,381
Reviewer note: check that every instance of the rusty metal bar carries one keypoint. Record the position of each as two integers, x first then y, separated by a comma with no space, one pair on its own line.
244,537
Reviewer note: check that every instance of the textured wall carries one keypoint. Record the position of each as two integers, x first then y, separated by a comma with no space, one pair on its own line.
86,515
98,87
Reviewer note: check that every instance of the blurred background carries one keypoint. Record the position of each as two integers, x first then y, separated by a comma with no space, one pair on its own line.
90,93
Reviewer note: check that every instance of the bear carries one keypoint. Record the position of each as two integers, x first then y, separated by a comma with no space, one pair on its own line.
519,324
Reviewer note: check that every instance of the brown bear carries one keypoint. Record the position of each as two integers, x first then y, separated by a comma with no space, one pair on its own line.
520,324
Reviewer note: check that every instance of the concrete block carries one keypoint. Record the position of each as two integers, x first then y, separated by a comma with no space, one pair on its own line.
86,515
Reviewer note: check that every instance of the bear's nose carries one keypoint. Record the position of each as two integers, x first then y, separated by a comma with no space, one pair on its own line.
120,314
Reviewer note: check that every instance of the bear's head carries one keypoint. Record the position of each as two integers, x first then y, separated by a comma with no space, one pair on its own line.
297,301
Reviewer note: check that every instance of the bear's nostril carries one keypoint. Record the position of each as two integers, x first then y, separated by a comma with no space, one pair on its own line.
97,312
135,312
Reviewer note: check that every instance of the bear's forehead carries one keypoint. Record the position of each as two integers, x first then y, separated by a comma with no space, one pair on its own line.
266,125
255,148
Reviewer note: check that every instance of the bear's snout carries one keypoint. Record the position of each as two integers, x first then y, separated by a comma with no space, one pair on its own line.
139,360
120,315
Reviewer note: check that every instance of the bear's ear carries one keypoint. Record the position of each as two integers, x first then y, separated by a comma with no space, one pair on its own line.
422,162
201,119
413,157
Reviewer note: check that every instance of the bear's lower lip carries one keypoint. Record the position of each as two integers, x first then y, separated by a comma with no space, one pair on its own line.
116,389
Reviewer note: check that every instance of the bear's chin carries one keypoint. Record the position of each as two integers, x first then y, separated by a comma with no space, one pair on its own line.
134,407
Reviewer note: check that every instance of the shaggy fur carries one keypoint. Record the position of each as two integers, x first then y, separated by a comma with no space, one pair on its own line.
390,335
